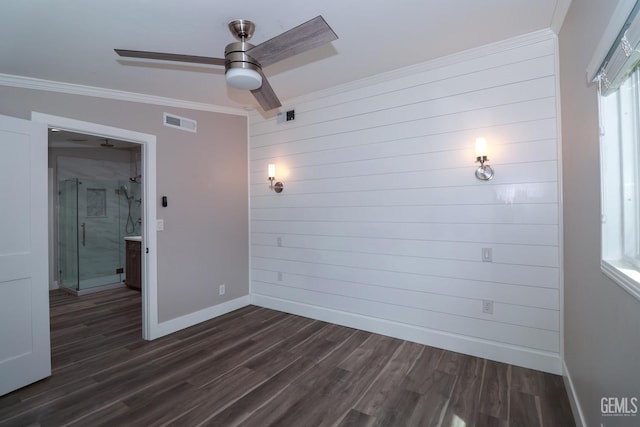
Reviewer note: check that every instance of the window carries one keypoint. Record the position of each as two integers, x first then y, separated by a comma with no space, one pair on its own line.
619,83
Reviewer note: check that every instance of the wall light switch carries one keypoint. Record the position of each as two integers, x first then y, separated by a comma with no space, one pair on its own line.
160,225
487,255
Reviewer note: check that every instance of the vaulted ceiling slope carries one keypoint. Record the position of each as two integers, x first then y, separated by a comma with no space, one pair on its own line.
73,41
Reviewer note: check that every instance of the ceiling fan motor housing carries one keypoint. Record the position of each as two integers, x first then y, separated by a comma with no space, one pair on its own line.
241,70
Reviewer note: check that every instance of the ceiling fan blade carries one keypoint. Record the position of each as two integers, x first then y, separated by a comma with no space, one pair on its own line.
307,36
266,96
169,57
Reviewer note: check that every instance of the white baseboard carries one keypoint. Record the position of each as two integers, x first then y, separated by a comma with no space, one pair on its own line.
182,322
520,356
578,415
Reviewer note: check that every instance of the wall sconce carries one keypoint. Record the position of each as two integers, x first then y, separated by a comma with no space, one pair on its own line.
484,172
278,186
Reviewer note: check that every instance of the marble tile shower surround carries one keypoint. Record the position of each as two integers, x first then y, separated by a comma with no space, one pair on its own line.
104,210
96,202
76,167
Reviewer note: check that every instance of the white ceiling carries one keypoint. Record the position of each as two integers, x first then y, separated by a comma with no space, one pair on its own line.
73,41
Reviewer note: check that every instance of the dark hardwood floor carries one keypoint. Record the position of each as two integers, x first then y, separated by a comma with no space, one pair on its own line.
259,367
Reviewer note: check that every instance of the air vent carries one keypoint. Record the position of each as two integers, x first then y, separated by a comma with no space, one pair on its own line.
287,116
180,122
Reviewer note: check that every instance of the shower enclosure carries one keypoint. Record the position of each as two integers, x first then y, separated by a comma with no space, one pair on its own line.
94,216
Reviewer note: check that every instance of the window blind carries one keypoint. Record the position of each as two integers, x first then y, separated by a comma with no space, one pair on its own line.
624,55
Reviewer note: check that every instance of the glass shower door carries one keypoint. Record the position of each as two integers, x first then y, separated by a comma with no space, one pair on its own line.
68,234
90,234
100,247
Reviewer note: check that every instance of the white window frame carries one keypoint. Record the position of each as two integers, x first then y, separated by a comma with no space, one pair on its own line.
611,60
620,184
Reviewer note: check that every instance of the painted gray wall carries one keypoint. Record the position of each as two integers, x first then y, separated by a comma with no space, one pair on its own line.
602,321
204,176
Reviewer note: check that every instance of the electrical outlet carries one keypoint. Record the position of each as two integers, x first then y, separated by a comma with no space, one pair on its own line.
279,242
487,255
279,276
222,289
487,306
160,225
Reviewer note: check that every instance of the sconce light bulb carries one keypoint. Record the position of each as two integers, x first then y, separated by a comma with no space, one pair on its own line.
271,169
481,147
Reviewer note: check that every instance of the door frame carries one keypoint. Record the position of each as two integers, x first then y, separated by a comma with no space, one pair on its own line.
150,329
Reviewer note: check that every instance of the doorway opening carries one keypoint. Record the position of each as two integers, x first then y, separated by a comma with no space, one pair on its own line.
144,174
96,207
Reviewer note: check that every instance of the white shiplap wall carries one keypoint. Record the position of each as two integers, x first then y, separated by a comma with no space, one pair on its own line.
382,221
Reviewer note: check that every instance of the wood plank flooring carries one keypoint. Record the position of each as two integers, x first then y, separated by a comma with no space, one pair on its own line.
259,367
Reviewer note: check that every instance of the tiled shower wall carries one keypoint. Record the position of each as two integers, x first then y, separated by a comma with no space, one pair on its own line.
105,211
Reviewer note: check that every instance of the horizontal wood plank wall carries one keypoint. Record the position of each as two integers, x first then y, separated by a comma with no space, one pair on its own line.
382,222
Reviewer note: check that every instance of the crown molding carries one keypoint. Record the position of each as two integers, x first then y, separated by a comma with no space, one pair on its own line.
75,89
559,15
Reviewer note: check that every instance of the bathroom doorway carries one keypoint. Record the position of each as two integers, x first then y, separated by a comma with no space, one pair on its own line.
97,211
149,265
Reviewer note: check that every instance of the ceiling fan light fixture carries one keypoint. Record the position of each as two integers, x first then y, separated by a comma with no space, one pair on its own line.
243,78
243,62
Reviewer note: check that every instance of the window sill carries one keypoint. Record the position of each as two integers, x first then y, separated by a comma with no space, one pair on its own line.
624,275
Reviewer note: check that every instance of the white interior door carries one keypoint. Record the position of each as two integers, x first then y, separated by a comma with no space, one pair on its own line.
25,353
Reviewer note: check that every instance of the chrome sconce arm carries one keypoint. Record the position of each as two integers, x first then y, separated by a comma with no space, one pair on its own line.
484,172
277,186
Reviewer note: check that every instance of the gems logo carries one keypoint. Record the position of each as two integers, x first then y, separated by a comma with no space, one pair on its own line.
619,406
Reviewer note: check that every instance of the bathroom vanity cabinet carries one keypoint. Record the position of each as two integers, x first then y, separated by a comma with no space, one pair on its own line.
133,278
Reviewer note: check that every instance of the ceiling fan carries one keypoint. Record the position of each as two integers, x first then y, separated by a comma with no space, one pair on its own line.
243,62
